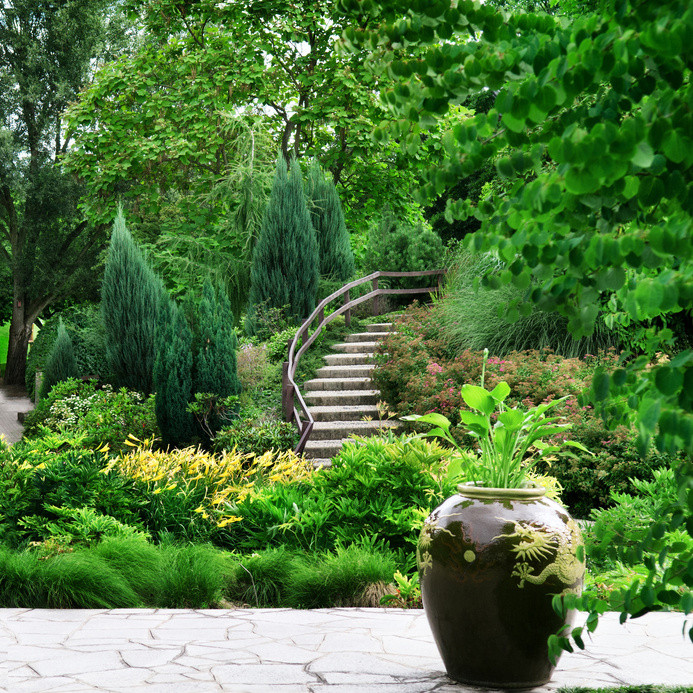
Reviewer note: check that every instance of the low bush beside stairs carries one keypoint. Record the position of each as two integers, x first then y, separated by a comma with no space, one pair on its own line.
342,398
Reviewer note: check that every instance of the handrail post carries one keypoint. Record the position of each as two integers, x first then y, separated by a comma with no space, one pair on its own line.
376,302
347,314
287,393
320,317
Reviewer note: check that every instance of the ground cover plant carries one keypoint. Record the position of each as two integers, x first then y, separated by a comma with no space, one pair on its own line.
61,514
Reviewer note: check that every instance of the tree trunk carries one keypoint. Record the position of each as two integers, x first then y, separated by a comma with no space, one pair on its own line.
20,333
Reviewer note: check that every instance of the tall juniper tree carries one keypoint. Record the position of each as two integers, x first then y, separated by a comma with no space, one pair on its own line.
285,268
173,375
334,247
61,363
215,367
132,297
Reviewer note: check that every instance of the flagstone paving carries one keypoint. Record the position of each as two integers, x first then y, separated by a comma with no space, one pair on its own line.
13,400
287,651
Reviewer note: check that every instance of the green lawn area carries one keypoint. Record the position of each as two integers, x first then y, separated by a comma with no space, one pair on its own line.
4,337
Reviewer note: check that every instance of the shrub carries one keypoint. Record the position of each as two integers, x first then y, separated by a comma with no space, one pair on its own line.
191,493
215,365
617,531
85,327
379,487
417,375
261,579
115,573
588,480
285,267
256,436
131,297
397,246
349,576
99,416
193,577
252,363
77,580
40,489
340,578
276,346
61,363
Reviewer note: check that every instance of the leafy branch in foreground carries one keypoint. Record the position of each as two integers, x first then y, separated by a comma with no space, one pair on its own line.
590,131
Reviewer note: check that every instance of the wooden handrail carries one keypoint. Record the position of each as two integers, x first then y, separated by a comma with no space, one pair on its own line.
292,399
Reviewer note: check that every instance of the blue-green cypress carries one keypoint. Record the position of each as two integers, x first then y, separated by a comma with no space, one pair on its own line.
61,363
327,217
131,298
285,268
215,367
173,376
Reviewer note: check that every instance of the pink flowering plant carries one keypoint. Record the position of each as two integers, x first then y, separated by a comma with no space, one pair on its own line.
506,435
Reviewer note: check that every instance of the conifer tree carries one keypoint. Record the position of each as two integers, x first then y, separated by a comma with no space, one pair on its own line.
327,217
131,298
173,375
285,268
61,363
215,368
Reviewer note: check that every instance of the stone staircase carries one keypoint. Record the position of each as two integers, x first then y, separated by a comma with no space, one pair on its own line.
342,398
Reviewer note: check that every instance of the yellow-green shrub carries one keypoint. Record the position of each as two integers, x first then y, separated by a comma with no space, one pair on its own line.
191,490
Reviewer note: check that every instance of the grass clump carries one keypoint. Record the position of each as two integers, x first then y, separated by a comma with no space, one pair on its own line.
478,317
116,573
348,576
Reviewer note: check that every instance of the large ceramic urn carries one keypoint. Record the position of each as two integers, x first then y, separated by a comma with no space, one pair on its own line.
490,562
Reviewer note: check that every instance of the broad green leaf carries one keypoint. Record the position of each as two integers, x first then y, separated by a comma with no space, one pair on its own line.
469,418
580,181
644,154
668,380
600,385
478,398
512,419
501,391
432,418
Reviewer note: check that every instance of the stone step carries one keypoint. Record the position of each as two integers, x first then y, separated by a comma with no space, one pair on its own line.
366,336
347,371
320,462
355,412
380,327
348,359
355,347
338,384
322,449
335,430
341,397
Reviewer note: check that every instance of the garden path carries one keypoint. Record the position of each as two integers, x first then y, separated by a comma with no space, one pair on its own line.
287,651
13,400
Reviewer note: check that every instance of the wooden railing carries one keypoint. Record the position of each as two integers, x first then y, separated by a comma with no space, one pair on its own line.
293,403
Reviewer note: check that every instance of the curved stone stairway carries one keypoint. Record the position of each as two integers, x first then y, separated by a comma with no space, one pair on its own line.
342,398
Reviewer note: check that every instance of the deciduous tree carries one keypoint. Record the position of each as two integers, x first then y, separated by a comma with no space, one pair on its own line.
591,131
45,53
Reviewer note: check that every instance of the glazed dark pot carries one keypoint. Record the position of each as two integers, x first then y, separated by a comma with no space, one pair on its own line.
490,562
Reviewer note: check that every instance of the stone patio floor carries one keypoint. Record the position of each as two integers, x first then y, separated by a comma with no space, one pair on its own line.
287,651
